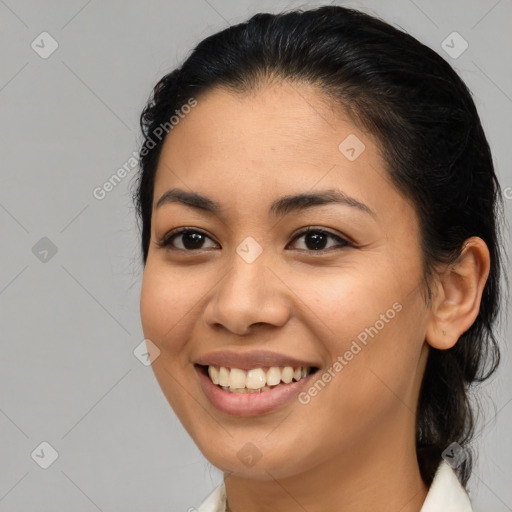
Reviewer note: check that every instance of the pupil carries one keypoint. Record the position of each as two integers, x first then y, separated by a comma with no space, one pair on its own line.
317,240
192,240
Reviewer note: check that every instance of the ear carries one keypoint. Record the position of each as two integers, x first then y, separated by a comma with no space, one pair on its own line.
458,295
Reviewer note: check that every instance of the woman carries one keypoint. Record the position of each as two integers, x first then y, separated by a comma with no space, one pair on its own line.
319,212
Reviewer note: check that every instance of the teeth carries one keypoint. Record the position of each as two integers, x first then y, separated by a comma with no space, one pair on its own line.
287,374
255,380
273,376
237,378
223,376
214,374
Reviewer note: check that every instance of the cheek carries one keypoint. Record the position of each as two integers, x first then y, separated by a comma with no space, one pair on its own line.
166,301
373,323
165,309
346,301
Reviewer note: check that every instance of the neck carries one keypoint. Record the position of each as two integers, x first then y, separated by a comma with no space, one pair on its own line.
380,474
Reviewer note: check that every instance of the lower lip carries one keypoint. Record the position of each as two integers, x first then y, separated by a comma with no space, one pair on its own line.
249,404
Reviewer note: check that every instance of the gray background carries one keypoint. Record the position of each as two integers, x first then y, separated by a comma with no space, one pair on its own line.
69,321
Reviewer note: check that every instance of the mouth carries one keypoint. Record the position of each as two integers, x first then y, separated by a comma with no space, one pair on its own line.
252,382
255,391
259,379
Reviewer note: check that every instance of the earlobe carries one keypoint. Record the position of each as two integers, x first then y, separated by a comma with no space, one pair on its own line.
459,292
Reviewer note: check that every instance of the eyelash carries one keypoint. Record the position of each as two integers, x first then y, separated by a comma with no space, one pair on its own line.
166,241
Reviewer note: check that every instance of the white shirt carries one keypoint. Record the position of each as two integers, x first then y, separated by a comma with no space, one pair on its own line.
445,494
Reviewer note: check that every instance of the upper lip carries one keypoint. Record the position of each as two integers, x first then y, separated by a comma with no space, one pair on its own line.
249,360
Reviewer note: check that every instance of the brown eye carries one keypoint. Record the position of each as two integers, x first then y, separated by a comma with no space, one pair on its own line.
315,240
191,240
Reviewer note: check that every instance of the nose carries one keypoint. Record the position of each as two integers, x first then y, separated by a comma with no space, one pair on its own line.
247,295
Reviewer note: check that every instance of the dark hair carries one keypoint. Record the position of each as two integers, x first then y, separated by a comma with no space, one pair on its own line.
431,140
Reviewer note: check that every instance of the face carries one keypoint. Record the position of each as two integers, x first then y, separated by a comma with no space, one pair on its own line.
247,289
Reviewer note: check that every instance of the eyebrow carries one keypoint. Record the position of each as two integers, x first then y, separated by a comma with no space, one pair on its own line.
279,208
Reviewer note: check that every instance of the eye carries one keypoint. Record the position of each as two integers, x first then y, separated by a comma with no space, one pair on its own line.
316,238
191,239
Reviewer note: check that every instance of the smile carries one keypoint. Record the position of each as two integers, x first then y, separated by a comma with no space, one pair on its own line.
230,392
256,380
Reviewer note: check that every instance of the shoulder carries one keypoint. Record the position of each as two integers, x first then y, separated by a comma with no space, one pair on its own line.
216,500
446,492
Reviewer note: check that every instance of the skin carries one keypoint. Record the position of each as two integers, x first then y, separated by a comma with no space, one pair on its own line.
352,447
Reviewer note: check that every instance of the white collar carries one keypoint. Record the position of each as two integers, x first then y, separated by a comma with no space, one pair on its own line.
446,494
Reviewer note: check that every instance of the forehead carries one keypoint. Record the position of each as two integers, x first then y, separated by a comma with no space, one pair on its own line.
278,120
278,139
